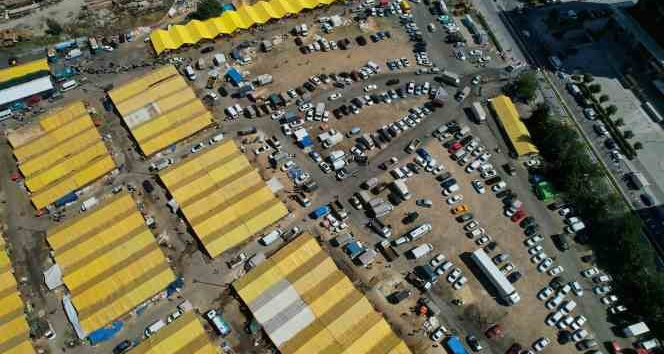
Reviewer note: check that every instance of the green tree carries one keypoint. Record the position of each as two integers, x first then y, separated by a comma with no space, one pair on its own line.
611,110
595,88
588,78
638,145
619,122
526,86
553,17
628,134
206,9
577,77
53,27
604,98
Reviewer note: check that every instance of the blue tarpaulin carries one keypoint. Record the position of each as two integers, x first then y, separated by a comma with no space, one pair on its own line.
175,286
106,333
69,198
305,142
234,76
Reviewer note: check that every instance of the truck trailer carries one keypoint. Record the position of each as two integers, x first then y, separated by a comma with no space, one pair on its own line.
504,288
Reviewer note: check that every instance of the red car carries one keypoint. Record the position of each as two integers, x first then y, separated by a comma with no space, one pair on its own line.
455,146
520,214
514,349
494,332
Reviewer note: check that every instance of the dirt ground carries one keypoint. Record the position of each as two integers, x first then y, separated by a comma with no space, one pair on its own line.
449,239
290,68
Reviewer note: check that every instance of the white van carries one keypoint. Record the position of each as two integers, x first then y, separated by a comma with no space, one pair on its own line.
189,71
153,328
68,85
271,237
217,138
6,114
89,203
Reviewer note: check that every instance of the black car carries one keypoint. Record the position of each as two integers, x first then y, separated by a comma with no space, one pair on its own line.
465,217
560,241
222,91
527,222
556,205
557,282
374,38
361,41
309,86
564,337
298,41
466,140
398,296
531,230
610,143
492,180
149,188
491,246
207,50
473,343
411,217
514,277
647,199
387,34
392,82
122,347
413,167
443,176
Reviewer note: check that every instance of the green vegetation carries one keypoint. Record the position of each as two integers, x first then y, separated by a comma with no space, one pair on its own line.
525,86
588,78
611,110
614,232
638,145
206,9
54,28
595,88
488,30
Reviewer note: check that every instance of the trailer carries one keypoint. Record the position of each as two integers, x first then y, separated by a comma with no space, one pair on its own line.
382,209
504,288
418,232
388,251
450,78
478,112
400,188
636,329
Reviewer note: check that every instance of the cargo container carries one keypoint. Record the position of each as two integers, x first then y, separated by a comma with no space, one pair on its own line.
421,250
636,329
89,203
271,237
478,112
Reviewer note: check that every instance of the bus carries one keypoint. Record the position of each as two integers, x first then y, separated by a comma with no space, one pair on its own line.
68,85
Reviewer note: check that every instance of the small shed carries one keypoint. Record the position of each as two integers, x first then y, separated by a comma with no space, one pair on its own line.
234,76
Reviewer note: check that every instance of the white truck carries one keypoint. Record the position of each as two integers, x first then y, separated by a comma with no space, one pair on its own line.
504,288
450,78
320,110
271,237
414,234
636,329
400,188
478,112
421,250
89,203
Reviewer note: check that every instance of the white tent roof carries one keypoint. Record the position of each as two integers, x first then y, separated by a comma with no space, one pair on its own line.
24,90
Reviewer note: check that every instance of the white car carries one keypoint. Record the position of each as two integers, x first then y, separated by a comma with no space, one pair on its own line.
437,334
500,186
532,241
590,272
507,268
483,240
545,265
460,283
371,87
555,271
488,173
590,113
286,129
454,275
602,290
479,186
476,80
305,107
261,149
608,300
541,343
553,318
325,167
288,165
535,250
576,288
565,289
579,335
174,316
565,322
335,96
438,260
471,225
277,115
579,321
196,148
510,211
555,301
455,199
537,258
545,293
617,309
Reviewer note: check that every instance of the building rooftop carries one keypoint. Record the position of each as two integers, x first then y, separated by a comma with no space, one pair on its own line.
222,196
60,153
184,335
307,305
110,261
160,109
513,126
